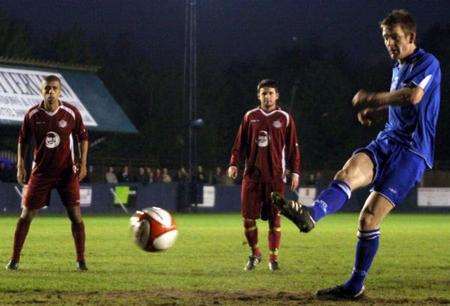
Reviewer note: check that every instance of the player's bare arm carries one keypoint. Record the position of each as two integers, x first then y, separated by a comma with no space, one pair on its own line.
294,181
83,164
402,97
21,172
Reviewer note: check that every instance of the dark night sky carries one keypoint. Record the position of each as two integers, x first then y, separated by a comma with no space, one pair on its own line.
230,29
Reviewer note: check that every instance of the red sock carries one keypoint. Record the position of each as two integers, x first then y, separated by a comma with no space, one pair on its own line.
274,237
251,233
79,238
20,234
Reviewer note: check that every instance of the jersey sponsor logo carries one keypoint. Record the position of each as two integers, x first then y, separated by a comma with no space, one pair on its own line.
263,139
254,120
276,124
52,140
62,123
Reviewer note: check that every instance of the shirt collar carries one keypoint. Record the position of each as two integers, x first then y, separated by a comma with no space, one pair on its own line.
277,108
410,58
41,106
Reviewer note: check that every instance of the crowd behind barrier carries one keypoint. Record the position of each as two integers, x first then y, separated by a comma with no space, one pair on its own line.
146,175
208,189
106,198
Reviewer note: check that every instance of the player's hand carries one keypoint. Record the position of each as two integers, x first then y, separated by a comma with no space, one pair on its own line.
83,172
365,118
294,181
362,99
21,174
232,172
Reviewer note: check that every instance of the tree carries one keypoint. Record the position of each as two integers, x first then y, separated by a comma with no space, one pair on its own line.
14,39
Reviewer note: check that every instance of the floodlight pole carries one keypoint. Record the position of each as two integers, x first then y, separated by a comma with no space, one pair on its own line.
190,80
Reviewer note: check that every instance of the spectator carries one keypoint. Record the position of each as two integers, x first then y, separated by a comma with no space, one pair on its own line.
218,177
157,176
200,175
182,175
165,176
311,179
110,176
142,176
125,175
149,173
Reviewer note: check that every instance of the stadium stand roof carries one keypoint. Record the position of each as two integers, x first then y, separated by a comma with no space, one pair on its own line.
19,90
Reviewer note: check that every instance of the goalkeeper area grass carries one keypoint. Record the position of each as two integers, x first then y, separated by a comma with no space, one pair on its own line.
206,264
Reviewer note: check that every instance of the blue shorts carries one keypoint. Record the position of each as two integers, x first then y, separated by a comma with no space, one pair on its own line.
397,169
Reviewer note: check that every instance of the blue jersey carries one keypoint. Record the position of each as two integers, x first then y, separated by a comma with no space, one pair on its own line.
414,126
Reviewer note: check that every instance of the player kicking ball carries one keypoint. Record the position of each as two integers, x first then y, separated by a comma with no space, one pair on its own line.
267,140
52,125
395,161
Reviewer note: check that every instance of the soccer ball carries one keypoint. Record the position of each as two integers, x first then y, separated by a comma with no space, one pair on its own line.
153,229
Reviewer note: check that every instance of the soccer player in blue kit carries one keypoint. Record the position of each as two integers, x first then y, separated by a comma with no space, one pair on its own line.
394,162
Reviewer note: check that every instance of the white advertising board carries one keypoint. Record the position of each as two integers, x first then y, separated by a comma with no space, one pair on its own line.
433,197
85,196
307,195
209,197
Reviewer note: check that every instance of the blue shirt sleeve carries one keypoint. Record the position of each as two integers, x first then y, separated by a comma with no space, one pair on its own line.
423,72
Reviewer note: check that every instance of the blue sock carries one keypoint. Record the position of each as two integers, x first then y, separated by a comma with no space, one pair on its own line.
330,200
366,249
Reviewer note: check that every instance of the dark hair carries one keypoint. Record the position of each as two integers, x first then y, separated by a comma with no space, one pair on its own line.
51,78
402,18
267,83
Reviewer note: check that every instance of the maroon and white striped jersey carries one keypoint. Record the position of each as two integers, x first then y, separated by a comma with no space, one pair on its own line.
268,143
53,134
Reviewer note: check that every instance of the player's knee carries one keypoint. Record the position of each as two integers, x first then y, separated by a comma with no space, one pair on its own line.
344,175
249,223
368,221
28,214
75,218
74,215
275,222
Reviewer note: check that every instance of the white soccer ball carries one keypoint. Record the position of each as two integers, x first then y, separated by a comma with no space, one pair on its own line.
154,229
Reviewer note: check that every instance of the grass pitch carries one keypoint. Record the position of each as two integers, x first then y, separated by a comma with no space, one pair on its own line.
206,264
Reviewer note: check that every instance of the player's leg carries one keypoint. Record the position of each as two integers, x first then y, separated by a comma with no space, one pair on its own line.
274,237
401,172
69,191
20,234
251,234
250,208
375,209
35,196
274,234
79,235
357,172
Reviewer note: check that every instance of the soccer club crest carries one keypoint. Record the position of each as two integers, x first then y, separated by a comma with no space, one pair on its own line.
52,140
263,139
276,124
62,123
